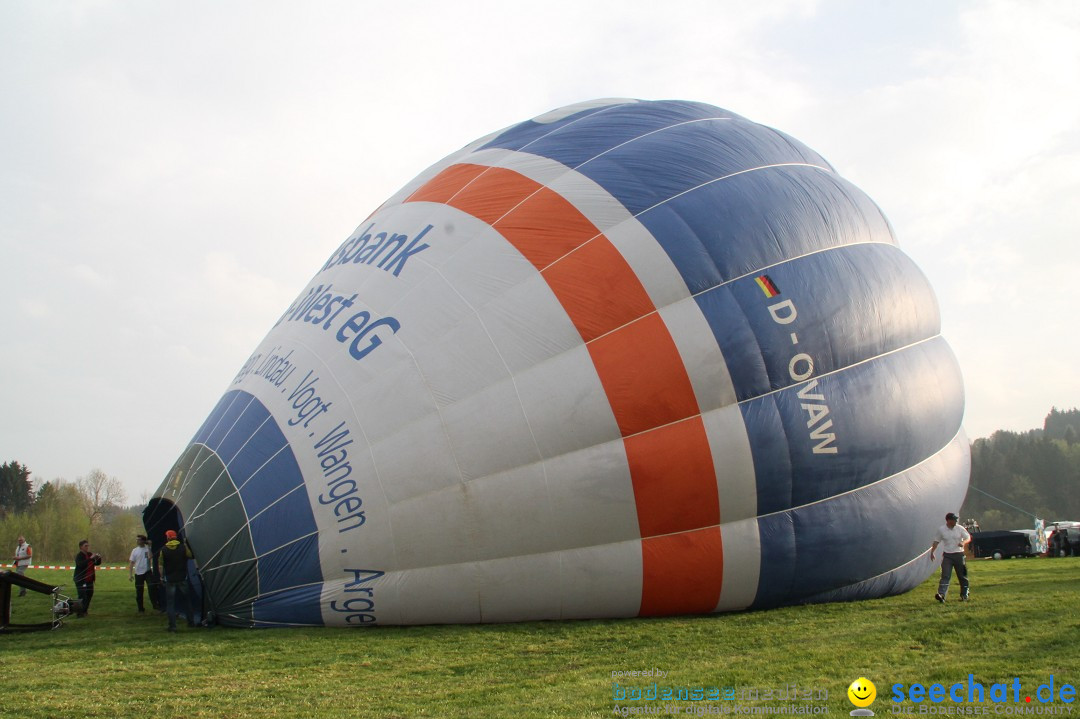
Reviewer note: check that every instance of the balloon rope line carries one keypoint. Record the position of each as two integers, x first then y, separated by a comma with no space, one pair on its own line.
999,499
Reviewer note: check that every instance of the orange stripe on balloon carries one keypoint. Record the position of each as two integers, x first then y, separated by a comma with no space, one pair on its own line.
638,365
446,184
674,479
682,573
643,377
497,196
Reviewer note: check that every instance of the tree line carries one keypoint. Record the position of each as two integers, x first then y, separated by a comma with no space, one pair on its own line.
1014,475
59,514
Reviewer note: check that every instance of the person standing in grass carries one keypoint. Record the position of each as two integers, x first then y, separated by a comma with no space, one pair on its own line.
139,571
173,563
23,553
85,566
952,538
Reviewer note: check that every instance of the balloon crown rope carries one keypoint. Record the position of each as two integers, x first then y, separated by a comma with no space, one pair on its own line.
999,499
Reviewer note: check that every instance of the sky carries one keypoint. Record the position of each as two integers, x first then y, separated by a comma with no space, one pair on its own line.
172,174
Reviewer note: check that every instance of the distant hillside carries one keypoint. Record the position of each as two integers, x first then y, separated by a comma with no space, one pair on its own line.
1036,472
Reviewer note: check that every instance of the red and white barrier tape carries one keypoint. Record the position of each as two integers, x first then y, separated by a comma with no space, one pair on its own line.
51,566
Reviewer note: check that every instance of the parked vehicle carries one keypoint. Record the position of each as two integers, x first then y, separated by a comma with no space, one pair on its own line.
1004,544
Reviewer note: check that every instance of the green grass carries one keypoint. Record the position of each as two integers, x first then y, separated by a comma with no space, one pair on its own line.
1022,623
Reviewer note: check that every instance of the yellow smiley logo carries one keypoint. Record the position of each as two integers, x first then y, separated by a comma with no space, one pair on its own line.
862,692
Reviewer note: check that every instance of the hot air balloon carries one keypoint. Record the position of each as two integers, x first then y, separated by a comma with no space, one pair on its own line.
628,358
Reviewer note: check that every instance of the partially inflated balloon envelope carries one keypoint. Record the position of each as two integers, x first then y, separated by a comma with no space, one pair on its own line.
627,358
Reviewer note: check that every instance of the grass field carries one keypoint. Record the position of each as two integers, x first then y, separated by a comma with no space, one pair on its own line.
1023,622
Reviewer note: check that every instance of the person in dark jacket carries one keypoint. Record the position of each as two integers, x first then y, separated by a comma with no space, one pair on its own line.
173,564
85,564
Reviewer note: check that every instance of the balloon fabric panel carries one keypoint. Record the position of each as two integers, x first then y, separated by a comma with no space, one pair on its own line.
626,358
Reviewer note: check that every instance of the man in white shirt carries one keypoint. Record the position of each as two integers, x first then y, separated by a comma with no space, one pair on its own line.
23,554
139,571
952,538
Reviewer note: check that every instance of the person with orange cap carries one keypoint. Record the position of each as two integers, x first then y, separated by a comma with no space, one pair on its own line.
173,563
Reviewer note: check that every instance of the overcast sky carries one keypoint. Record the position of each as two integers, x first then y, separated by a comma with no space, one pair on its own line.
172,174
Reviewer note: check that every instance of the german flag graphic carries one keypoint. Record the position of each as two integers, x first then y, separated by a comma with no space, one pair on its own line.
767,286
